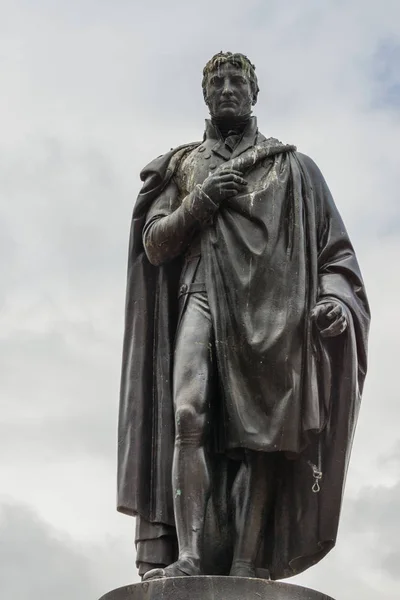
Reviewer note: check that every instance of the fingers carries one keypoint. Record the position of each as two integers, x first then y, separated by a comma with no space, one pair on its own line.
229,193
335,312
229,188
316,311
330,318
336,328
324,308
228,170
320,309
231,177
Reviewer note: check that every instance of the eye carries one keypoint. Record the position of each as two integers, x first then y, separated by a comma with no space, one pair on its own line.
239,79
215,80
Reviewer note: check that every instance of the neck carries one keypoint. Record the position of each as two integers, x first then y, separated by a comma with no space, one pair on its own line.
237,124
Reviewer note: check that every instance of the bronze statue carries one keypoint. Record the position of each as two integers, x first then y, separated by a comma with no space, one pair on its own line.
244,351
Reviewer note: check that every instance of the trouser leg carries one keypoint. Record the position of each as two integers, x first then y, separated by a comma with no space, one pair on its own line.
253,495
192,387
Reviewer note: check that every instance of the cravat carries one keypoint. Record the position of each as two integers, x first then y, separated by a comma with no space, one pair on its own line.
232,140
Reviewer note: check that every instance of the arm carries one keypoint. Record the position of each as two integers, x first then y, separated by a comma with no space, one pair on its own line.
167,232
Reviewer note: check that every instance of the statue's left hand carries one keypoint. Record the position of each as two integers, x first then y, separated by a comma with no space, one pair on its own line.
330,318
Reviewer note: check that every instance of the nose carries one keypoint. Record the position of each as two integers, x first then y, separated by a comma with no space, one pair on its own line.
227,89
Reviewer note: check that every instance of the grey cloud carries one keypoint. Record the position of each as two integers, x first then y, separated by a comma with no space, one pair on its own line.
35,562
94,92
386,72
373,517
58,398
40,562
365,561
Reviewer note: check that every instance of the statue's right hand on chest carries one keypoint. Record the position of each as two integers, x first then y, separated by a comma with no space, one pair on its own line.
223,185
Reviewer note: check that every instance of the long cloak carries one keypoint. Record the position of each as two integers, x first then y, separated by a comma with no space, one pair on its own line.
312,260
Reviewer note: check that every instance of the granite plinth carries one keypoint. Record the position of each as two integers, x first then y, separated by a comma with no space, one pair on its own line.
213,588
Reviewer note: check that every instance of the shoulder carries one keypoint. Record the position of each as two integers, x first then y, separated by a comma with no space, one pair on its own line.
308,163
312,170
169,160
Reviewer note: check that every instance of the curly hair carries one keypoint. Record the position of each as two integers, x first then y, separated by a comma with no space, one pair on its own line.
236,59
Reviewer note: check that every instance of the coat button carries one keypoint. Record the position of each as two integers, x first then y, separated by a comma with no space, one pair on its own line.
213,166
201,149
207,156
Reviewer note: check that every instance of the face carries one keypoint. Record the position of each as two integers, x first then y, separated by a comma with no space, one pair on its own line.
228,92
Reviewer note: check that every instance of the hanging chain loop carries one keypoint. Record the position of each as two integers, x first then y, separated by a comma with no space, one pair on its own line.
317,470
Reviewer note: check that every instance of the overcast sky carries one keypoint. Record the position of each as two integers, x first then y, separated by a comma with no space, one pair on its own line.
92,90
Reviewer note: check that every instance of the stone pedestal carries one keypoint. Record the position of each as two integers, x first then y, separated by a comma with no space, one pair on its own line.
213,588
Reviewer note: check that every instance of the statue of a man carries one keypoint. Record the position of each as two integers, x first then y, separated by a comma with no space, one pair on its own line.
244,351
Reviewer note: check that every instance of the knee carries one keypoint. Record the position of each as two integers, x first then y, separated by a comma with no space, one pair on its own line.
189,424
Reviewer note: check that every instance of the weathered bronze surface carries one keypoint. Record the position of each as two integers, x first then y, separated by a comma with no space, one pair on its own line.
244,351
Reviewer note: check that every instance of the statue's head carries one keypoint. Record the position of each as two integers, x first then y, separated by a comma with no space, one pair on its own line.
230,86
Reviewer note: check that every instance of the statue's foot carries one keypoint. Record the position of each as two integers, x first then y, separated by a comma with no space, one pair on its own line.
241,568
183,567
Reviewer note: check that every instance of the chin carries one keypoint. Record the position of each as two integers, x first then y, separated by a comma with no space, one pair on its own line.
228,112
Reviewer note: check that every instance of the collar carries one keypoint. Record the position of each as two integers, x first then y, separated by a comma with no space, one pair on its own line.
248,139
